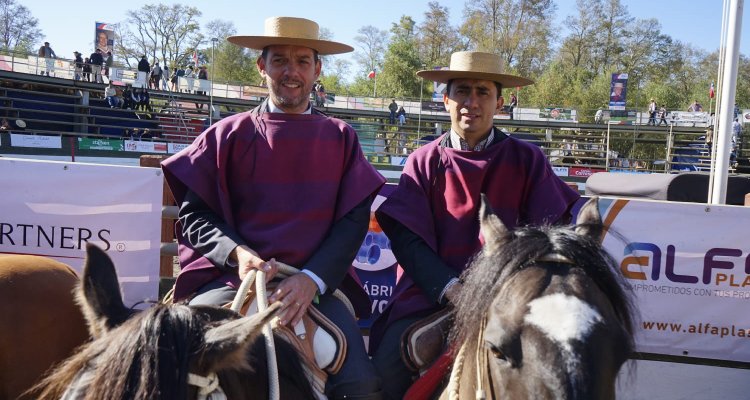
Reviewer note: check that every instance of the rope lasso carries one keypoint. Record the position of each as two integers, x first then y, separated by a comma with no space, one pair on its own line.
259,277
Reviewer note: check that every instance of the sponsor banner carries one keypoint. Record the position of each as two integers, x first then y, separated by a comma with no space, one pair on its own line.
145,147
100,144
54,208
433,106
618,91
684,118
560,171
104,38
584,172
176,147
37,141
685,264
375,263
556,113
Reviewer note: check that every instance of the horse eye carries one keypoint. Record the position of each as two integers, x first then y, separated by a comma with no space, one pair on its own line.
497,352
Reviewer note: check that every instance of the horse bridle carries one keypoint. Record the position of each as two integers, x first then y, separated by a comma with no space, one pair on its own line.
481,356
208,386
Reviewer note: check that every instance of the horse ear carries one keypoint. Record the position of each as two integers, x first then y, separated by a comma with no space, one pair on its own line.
492,228
227,344
99,293
589,222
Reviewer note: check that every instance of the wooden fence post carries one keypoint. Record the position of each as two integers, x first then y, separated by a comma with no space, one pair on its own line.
166,264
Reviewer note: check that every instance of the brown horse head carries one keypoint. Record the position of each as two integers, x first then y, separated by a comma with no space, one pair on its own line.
543,314
160,353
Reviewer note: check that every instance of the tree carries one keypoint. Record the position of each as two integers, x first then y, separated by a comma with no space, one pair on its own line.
401,62
169,33
372,42
19,30
231,62
437,39
517,30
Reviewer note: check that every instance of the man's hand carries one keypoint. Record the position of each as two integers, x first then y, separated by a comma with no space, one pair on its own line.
296,293
247,260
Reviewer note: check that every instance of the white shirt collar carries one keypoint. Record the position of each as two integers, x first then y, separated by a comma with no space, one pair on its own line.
458,143
274,109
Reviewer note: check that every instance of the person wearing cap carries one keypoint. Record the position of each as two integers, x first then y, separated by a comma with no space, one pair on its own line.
280,182
431,217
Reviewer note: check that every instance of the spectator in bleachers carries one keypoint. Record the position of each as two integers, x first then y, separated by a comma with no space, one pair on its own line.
78,71
96,60
155,76
146,134
4,125
165,78
87,70
144,100
175,79
202,76
189,78
110,93
108,64
127,98
49,56
695,107
143,70
401,114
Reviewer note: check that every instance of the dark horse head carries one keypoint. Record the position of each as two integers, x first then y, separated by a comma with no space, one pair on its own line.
542,314
168,352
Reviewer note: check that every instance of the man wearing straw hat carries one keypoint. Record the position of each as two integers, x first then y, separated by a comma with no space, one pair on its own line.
432,216
281,182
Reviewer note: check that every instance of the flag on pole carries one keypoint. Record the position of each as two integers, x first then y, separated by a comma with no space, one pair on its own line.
371,74
711,92
195,58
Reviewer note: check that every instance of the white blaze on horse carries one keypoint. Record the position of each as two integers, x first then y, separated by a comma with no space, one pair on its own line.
542,315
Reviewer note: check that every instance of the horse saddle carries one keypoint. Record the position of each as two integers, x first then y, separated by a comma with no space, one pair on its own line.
425,340
319,340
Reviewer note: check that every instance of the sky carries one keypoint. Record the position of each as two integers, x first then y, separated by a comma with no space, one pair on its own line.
71,29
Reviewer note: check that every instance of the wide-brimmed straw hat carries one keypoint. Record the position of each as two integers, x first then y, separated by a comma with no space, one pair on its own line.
475,65
280,31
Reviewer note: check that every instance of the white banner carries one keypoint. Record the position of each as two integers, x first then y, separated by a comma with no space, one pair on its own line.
41,142
176,147
145,147
688,266
53,208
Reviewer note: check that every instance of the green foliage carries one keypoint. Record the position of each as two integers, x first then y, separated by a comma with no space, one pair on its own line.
401,63
19,31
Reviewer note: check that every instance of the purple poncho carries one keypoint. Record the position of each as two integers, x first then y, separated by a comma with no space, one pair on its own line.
280,180
438,199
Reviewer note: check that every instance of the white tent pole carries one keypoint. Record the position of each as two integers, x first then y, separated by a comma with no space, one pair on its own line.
728,88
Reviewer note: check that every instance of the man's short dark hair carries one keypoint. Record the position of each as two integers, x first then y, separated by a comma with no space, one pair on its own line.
264,54
497,85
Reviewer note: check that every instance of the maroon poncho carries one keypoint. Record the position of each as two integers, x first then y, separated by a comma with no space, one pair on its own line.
280,180
438,198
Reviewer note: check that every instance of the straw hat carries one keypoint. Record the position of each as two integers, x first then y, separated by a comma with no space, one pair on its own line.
475,65
282,31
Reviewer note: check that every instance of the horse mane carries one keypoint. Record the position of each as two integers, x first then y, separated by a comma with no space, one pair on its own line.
489,272
147,357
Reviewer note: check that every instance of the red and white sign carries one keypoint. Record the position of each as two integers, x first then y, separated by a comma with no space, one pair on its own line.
580,171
